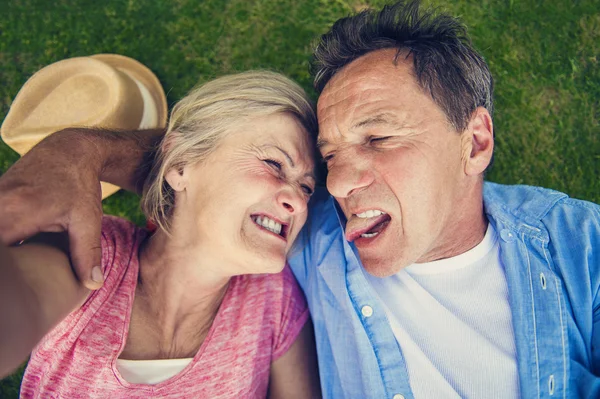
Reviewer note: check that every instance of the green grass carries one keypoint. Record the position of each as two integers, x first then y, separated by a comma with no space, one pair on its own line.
543,54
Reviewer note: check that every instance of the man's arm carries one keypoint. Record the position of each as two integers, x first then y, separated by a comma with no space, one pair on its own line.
37,290
56,187
296,374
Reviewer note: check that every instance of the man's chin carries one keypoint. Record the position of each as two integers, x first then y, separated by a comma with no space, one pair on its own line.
381,267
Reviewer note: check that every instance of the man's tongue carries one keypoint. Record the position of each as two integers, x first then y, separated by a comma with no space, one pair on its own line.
378,227
357,226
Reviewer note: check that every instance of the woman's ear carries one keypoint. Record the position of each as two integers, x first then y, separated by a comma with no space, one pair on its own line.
478,144
177,179
176,176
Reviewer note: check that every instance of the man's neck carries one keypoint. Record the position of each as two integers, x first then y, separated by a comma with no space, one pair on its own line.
464,231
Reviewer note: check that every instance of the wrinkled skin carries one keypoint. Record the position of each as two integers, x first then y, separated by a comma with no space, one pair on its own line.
55,188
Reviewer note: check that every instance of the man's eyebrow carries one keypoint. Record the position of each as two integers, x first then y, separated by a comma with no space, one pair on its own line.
379,119
321,143
384,118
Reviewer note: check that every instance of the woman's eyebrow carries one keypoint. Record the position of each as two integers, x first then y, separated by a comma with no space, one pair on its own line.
289,159
285,154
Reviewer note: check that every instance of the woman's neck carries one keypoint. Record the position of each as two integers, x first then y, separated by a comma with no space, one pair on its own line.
175,287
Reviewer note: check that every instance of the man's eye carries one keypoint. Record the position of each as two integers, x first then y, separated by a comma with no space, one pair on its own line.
327,158
274,164
378,140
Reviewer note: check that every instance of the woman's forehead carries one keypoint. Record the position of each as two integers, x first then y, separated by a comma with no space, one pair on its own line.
281,130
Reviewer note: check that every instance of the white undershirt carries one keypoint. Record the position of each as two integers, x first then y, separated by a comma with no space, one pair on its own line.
150,371
453,322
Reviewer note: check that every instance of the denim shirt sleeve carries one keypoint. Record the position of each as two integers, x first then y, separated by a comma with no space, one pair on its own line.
550,246
575,251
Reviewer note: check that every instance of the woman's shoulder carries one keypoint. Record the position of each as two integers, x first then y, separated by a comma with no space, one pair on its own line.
118,229
271,284
276,303
120,240
105,307
275,296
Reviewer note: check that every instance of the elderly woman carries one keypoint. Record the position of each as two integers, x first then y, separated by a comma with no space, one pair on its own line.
204,306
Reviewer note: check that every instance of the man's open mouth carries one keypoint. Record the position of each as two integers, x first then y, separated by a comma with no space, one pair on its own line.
367,224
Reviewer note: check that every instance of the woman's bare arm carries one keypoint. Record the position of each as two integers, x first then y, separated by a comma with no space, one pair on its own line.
37,290
295,375
56,187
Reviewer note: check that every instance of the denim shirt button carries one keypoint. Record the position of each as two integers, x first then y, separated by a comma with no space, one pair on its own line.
507,235
367,311
398,396
543,281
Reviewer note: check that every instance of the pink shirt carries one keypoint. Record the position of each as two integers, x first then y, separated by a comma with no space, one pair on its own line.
259,319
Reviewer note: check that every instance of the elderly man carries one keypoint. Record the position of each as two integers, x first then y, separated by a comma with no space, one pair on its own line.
423,281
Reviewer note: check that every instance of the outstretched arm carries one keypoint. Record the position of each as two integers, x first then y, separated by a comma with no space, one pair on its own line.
56,187
37,290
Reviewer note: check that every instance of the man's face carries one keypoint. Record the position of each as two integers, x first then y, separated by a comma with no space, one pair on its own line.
396,165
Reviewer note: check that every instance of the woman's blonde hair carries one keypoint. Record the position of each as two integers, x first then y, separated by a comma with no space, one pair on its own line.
201,119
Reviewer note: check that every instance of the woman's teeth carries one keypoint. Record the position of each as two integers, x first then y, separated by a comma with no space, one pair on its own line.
268,224
370,213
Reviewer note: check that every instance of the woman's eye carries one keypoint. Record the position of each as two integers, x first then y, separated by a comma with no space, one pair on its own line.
274,164
307,190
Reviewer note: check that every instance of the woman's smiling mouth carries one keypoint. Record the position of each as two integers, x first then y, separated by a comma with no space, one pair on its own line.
271,225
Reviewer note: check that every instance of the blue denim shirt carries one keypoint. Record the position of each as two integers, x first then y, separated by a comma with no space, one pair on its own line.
550,248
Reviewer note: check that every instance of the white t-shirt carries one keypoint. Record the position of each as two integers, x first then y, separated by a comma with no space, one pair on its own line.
151,371
453,322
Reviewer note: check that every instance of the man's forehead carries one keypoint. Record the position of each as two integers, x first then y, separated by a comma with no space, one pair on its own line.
365,92
365,76
372,63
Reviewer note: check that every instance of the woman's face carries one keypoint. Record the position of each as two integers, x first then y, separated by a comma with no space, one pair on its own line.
245,204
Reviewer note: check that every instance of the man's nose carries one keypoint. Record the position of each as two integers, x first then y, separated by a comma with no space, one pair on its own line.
348,176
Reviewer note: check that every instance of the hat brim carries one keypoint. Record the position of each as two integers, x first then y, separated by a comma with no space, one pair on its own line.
144,75
140,72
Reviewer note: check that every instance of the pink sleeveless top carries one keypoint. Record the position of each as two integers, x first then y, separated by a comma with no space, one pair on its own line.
257,322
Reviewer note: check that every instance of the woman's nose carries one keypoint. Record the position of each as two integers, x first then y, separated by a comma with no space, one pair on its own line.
292,199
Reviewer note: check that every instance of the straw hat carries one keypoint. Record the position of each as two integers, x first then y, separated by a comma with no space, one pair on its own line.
105,91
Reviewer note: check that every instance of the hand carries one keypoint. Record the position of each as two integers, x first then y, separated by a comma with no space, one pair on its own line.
56,187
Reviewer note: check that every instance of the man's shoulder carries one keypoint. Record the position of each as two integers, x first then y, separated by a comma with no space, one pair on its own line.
534,201
533,204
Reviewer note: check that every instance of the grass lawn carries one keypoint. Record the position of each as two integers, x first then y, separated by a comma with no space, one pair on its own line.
543,54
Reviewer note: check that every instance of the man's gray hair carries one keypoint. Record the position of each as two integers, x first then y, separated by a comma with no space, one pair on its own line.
446,65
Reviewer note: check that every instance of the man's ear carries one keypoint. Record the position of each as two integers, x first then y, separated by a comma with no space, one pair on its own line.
478,142
177,178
